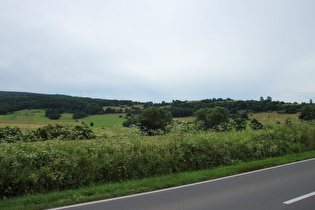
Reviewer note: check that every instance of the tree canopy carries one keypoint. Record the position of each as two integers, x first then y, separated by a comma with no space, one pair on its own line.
307,112
154,119
209,118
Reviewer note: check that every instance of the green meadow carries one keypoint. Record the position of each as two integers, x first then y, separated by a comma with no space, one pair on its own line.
36,117
105,120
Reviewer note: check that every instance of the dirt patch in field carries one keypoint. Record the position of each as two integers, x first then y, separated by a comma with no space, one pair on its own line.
185,119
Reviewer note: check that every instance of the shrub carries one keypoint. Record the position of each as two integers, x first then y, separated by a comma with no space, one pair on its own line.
8,134
307,112
256,125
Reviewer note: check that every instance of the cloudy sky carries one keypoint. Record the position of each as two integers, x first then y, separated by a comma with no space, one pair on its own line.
159,50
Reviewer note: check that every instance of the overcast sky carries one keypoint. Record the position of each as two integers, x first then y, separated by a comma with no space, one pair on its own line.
159,50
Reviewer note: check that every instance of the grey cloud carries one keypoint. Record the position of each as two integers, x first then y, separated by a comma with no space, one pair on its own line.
147,50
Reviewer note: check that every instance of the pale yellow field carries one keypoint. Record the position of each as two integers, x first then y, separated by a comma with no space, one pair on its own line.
185,119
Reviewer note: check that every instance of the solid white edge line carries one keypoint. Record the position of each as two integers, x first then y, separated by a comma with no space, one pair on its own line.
178,187
300,198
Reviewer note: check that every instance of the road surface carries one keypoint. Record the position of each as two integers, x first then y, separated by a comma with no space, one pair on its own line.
290,186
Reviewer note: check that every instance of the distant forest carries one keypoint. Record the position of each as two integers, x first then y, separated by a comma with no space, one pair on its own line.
15,101
82,107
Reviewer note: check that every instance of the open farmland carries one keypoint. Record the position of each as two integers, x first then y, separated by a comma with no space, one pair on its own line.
34,118
105,120
273,117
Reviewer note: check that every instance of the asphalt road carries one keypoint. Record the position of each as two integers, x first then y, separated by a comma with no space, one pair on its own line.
273,188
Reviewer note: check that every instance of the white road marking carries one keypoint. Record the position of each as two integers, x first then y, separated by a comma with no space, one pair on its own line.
300,198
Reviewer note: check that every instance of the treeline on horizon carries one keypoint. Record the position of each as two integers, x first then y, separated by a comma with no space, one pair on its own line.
15,101
81,106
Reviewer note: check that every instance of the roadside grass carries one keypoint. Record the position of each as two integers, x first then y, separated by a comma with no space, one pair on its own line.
97,192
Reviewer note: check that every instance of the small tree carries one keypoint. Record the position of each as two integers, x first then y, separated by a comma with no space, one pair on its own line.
240,124
131,121
79,115
209,118
53,114
307,112
255,125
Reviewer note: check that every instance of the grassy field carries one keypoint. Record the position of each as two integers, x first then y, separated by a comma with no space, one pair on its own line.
273,117
105,120
36,118
32,119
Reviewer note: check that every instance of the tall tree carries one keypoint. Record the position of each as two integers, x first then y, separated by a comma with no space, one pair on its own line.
209,118
154,119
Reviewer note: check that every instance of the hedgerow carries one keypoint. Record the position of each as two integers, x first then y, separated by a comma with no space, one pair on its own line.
44,166
50,132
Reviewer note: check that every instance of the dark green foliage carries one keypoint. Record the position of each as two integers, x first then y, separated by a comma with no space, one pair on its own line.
13,135
307,112
209,118
291,110
182,108
131,121
256,125
110,110
9,135
154,119
181,111
15,101
79,115
240,124
53,114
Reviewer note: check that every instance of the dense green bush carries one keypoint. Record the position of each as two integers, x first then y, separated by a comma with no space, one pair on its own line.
50,132
8,134
307,112
43,166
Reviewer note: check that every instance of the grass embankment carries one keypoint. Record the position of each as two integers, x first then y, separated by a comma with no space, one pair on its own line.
68,197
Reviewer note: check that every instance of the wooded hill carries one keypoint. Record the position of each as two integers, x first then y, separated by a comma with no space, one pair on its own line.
82,106
14,101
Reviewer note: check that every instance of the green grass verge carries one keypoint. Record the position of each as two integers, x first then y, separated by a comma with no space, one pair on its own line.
41,201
